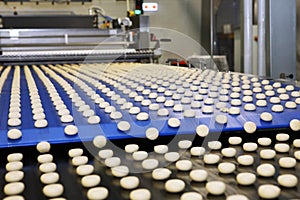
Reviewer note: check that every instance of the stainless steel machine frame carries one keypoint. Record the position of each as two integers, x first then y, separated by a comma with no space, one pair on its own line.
62,45
281,28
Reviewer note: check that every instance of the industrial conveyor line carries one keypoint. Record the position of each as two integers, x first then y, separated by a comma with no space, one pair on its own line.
205,102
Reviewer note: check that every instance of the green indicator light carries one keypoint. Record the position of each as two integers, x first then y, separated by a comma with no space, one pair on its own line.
137,12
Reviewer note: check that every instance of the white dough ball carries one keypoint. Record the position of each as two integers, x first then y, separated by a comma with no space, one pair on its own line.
214,145
14,197
184,144
171,156
211,158
265,170
14,176
269,191
90,180
228,152
97,193
130,148
99,141
184,165
71,130
226,168
45,158
282,137
295,124
297,155
14,157
152,133
112,162
287,180
215,187
174,185
139,155
197,151
267,154
140,194
53,190
129,182
287,162
14,134
250,146
264,141
235,140
105,153
245,160
43,147
191,196
83,170
14,188
237,197
150,164
49,178
250,127
123,126
174,122
202,130
198,175
282,147
161,173
161,149
79,160
75,152
246,178
120,171
47,167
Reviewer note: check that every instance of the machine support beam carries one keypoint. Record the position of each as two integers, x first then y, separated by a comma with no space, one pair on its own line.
261,37
248,36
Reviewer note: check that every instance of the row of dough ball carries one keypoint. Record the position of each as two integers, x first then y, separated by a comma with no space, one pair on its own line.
126,182
138,116
72,129
285,162
108,109
250,127
58,103
147,104
216,145
294,95
121,171
76,99
107,88
14,176
268,170
207,86
264,82
146,118
203,130
15,106
14,114
88,179
4,76
35,100
49,177
131,182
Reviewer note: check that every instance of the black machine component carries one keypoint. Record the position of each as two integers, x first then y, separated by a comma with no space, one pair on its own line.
53,1
140,25
50,21
139,5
